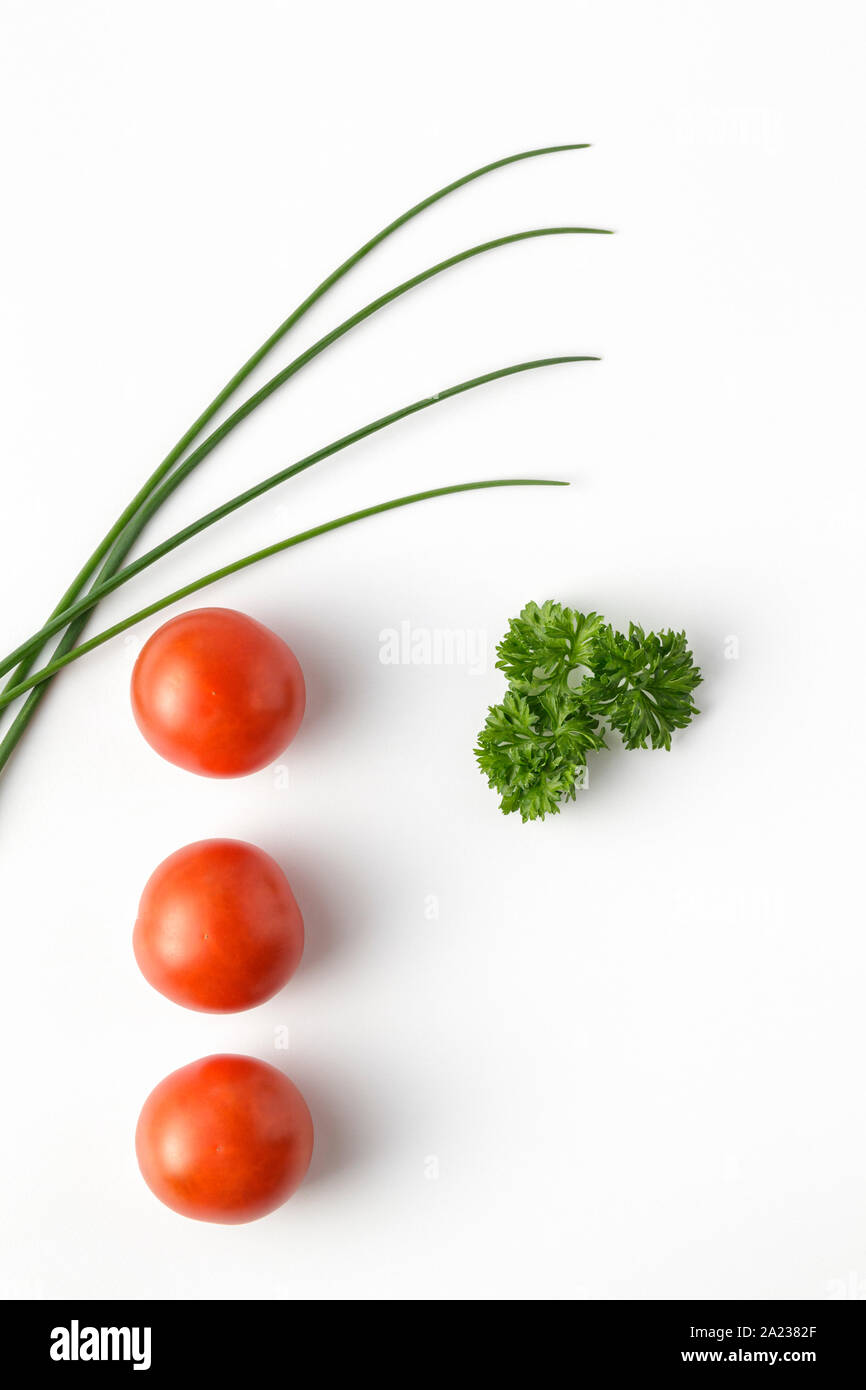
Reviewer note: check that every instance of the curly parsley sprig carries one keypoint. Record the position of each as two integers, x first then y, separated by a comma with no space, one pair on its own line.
532,749
544,645
642,684
569,673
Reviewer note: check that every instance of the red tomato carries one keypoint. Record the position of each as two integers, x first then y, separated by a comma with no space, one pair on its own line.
218,927
225,1139
217,693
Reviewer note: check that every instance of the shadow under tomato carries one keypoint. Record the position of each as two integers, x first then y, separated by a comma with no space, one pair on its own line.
334,899
347,1130
325,692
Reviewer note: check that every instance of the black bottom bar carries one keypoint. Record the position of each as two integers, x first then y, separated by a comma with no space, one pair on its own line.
158,1338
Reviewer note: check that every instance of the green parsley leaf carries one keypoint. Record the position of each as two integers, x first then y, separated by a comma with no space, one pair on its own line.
531,750
544,645
642,684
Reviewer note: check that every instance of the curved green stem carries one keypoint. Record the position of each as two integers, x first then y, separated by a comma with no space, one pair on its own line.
128,536
108,586
58,663
164,491
122,535
112,536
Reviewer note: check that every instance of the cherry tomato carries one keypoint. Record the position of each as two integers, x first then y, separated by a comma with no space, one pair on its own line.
215,692
218,927
224,1139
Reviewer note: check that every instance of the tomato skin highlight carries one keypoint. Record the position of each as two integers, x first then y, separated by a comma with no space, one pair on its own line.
218,927
225,1139
217,693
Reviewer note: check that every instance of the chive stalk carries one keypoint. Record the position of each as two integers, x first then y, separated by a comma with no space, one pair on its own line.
117,543
111,538
143,562
128,534
57,664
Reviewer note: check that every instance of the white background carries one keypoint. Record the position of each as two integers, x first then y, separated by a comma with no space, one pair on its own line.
631,1044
